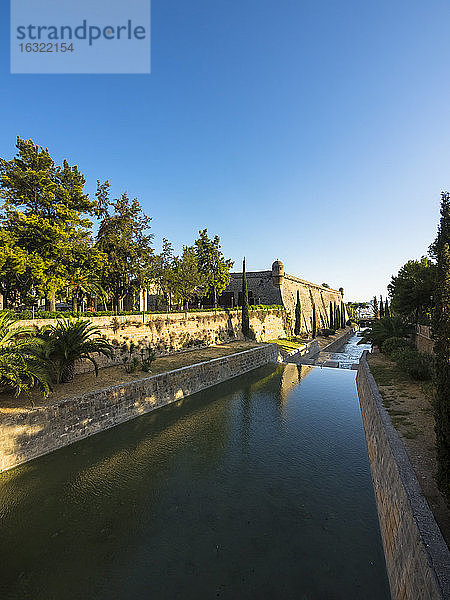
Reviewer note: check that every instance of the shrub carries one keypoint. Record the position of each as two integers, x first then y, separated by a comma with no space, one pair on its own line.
392,344
418,366
21,366
383,329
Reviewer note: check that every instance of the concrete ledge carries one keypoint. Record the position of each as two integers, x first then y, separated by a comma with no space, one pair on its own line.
336,345
306,352
28,433
417,557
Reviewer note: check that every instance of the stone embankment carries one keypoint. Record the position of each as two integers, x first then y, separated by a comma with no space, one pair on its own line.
28,433
417,558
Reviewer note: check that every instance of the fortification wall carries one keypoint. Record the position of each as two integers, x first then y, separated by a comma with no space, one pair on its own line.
173,332
263,291
259,283
309,294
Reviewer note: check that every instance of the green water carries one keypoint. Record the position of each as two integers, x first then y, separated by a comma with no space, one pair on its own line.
258,488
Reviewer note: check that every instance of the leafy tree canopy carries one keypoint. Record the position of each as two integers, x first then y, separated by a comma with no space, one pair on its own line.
214,267
411,290
124,237
44,209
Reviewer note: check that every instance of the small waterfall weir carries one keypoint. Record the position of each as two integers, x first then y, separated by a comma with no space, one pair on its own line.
347,358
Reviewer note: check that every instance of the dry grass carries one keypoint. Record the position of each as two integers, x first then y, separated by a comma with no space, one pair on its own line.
409,404
87,382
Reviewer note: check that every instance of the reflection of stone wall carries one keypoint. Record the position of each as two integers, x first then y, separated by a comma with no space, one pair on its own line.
177,331
417,558
28,433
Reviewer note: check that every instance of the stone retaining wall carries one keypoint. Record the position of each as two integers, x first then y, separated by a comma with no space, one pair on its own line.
28,433
424,342
417,558
174,332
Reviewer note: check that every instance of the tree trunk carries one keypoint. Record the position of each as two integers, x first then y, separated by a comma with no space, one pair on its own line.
74,304
1,301
52,302
68,372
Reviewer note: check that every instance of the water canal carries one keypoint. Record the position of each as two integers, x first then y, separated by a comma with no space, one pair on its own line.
350,353
258,488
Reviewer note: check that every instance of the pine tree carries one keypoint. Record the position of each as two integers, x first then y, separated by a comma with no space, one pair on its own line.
381,307
44,224
212,264
298,315
245,309
314,322
441,333
331,316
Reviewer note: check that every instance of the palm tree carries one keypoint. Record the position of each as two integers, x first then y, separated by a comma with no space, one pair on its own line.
82,284
70,340
383,329
21,368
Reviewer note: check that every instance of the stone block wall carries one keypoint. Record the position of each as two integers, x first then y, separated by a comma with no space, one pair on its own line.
260,283
423,340
28,433
417,558
173,332
310,294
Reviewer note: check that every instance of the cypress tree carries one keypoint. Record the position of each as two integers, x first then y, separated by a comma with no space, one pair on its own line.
245,310
441,332
376,314
331,316
337,317
298,315
387,310
342,315
314,322
381,307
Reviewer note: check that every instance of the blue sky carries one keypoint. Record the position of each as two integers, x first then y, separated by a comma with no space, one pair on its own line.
314,132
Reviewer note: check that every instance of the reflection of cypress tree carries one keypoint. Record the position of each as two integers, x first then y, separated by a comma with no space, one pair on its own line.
314,322
245,312
298,315
331,316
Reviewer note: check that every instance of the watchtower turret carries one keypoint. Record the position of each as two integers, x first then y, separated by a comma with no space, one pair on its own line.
277,273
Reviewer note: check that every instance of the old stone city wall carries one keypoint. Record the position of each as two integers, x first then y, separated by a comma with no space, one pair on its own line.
309,294
173,332
264,291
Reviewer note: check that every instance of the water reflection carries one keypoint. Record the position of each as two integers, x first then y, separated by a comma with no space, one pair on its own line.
258,488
